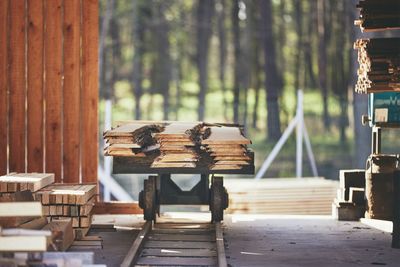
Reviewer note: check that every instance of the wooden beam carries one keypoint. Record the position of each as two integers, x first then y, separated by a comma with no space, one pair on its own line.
53,86
21,209
117,207
17,86
4,26
35,87
89,90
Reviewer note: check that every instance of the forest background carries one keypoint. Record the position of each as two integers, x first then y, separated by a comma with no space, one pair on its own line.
240,61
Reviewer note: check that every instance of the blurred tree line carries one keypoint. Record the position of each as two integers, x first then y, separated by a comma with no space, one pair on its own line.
238,47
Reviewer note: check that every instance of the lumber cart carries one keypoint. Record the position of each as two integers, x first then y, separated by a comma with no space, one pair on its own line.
160,189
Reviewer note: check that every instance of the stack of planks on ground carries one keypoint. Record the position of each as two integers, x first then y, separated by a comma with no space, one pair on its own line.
24,228
64,201
379,65
156,146
306,196
378,14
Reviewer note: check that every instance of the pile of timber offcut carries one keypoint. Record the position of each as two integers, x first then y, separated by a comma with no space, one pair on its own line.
378,15
152,146
379,65
67,201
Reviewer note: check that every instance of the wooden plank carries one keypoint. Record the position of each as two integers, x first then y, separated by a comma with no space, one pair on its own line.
17,86
181,237
63,231
181,244
53,86
176,261
35,153
71,92
20,209
90,90
219,239
132,254
226,135
23,243
117,207
37,224
3,85
32,181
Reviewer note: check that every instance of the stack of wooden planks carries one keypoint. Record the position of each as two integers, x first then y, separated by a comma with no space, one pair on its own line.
15,182
379,65
378,15
164,146
306,196
227,147
64,201
25,228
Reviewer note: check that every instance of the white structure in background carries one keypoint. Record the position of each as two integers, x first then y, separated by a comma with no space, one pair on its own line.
301,134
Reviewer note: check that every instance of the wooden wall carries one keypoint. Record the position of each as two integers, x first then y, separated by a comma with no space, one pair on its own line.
49,88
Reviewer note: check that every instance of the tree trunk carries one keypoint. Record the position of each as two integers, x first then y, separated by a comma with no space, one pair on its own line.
273,84
310,81
205,11
164,56
238,64
221,6
138,41
322,62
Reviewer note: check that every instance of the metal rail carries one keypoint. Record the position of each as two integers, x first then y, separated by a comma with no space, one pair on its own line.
189,244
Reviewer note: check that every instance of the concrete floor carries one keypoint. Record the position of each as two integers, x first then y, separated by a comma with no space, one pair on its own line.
262,240
267,240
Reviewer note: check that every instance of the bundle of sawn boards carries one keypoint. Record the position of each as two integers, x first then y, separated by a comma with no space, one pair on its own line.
56,202
379,65
379,58
188,145
378,14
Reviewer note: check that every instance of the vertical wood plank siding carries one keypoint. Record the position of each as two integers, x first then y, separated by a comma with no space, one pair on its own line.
49,88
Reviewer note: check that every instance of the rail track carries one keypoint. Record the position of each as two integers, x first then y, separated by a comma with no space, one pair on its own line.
178,244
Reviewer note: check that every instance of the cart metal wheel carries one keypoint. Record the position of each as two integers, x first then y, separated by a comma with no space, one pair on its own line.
149,199
218,199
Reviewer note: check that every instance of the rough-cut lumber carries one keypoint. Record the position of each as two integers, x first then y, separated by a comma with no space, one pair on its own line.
25,181
379,65
226,135
378,15
179,147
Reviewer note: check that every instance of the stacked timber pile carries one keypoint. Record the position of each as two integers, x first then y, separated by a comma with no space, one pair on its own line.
66,201
378,15
227,147
177,146
23,225
153,146
59,202
306,196
379,65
